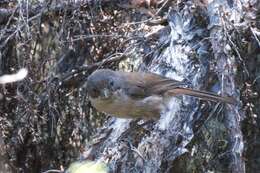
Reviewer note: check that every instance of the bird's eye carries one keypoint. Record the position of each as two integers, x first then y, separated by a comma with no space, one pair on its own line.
95,90
111,83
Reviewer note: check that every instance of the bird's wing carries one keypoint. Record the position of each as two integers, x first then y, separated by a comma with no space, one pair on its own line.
141,85
146,84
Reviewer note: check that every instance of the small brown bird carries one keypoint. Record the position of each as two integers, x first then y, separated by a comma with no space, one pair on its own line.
138,94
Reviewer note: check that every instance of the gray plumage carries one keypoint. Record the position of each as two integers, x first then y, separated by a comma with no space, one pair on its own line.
138,94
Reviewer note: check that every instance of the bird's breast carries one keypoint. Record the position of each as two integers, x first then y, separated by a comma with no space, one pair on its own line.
123,106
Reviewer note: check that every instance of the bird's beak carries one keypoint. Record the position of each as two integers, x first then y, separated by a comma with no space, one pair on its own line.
105,93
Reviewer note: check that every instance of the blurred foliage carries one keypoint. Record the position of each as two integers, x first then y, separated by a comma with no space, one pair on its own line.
87,167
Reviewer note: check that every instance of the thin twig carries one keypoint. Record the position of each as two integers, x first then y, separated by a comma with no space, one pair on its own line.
254,33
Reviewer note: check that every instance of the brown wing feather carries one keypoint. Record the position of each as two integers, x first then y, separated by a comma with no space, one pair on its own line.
147,84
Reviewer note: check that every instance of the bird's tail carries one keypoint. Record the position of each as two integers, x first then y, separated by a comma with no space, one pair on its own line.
202,94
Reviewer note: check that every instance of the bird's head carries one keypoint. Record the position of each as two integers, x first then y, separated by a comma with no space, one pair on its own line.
102,83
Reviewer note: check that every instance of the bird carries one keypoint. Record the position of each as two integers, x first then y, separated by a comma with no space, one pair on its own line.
142,95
